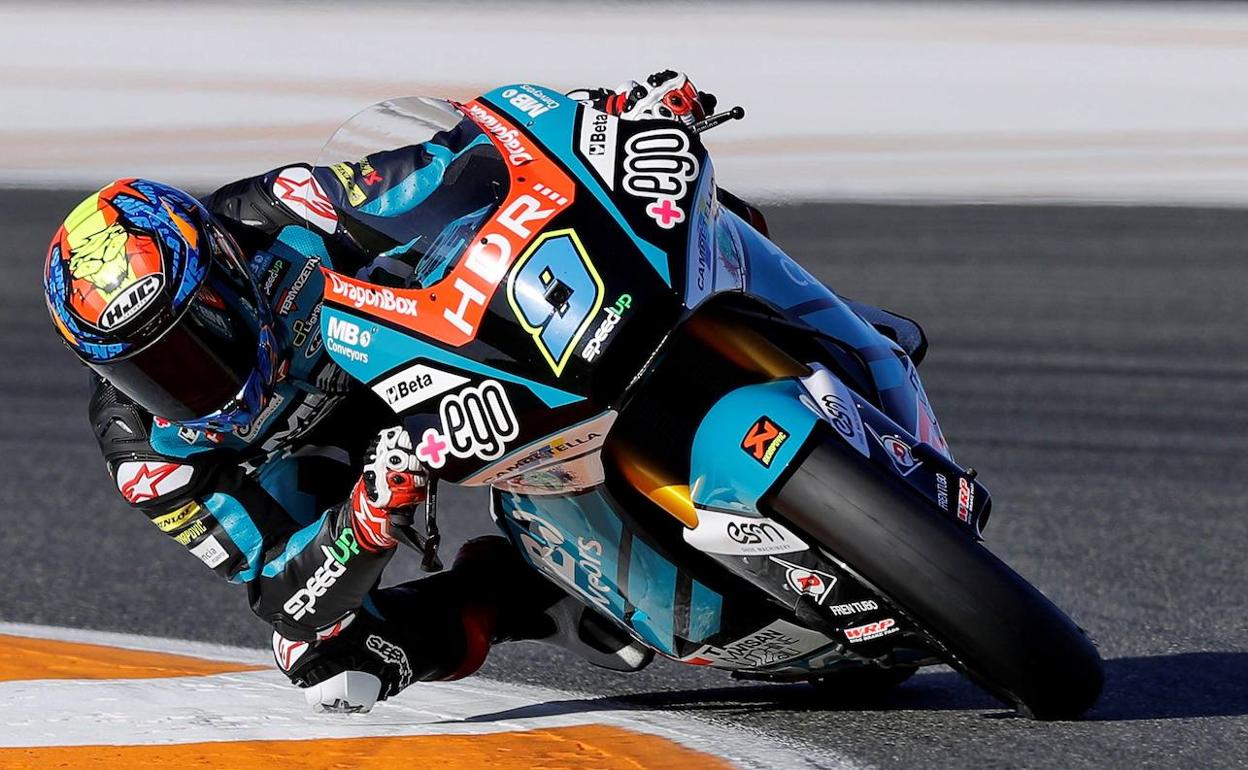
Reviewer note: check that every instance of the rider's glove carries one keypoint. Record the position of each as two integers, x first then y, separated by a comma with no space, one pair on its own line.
389,489
665,95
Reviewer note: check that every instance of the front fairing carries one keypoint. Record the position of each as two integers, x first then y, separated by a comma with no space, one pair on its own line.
561,297
888,376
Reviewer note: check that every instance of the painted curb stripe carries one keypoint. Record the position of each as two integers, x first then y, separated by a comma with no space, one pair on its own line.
576,748
25,658
177,703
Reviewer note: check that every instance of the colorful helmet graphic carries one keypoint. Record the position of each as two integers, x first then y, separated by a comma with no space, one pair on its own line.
150,292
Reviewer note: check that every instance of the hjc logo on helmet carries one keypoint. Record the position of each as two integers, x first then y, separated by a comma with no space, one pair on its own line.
131,301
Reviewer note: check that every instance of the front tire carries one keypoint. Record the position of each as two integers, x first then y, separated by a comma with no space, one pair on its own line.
995,625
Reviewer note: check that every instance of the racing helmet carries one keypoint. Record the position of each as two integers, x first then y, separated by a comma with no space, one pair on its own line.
153,294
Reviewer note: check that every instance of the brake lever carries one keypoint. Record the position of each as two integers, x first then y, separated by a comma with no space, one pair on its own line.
433,538
427,544
711,121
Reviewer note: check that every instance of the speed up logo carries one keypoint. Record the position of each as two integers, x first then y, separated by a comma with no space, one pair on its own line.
303,601
477,421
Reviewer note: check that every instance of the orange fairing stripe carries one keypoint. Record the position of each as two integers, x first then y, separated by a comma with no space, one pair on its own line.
560,748
452,309
23,657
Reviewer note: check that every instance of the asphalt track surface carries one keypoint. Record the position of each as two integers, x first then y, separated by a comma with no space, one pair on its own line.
1090,362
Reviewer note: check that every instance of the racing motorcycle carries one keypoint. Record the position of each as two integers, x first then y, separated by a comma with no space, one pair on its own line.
681,425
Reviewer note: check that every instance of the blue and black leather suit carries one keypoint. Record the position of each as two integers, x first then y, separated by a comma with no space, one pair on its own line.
264,507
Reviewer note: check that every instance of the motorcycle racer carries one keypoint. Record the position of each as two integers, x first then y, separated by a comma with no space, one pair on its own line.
222,418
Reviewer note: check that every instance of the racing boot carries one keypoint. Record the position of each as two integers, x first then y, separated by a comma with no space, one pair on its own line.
442,628
535,609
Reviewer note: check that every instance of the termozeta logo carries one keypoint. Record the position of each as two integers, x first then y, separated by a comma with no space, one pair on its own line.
303,601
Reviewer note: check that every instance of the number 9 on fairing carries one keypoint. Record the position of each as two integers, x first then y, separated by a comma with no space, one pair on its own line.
555,292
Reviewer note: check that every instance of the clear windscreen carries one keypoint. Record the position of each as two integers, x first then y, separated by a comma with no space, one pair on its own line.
439,178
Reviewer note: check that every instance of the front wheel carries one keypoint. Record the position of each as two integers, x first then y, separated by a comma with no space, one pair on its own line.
993,624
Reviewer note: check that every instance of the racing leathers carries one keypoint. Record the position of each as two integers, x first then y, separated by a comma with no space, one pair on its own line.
280,506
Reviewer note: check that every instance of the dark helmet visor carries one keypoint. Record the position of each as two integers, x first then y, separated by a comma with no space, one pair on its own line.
202,362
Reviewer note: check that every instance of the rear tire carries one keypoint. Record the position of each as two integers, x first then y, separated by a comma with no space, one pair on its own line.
999,629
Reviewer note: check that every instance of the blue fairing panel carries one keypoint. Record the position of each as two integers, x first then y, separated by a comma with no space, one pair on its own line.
776,278
748,440
582,543
745,442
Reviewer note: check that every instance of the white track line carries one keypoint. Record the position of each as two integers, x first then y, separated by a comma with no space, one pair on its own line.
263,706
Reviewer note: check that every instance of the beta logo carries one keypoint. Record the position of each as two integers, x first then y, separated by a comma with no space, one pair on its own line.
763,440
597,144
596,139
131,301
415,385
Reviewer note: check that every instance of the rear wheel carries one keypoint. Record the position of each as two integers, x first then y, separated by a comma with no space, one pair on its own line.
993,624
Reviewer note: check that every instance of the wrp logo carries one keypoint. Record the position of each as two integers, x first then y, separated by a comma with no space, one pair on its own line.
871,630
